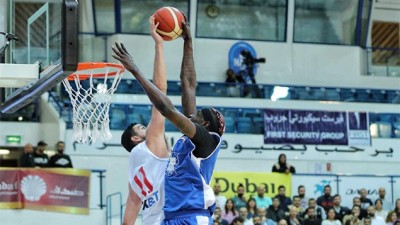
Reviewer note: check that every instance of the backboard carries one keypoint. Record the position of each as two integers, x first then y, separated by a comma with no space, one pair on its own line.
47,32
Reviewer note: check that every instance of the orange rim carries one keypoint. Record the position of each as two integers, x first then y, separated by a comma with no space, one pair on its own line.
95,65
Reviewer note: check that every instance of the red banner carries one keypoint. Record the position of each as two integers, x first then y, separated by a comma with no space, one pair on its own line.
62,190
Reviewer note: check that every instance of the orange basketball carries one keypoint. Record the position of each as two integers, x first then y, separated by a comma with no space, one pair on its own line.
170,19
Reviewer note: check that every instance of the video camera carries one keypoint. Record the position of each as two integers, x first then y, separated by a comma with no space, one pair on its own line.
249,61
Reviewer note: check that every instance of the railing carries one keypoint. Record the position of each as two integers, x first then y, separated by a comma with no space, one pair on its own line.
109,209
383,61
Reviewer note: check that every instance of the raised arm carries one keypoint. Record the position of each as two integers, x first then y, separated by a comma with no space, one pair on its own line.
132,208
159,99
156,128
188,73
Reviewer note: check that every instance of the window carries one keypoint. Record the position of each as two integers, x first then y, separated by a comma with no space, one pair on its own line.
239,19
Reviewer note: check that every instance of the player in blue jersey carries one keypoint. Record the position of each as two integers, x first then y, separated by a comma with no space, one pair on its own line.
189,199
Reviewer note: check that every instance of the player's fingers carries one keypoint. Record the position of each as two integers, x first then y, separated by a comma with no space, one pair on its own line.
118,45
117,52
126,51
116,57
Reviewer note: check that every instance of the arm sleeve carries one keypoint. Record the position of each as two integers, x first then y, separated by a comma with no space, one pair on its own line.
204,141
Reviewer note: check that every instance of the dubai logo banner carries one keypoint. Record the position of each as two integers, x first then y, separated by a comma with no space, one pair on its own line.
61,190
283,126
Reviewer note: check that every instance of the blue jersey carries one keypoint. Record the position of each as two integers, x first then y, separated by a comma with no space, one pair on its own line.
187,178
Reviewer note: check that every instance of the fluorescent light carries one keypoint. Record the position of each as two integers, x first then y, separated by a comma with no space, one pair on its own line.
4,152
279,92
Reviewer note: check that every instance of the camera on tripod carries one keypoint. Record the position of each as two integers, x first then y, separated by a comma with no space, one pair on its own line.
249,61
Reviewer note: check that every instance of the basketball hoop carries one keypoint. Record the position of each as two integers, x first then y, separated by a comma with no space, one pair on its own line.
91,100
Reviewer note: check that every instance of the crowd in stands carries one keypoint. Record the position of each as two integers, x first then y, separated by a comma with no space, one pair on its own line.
39,159
301,210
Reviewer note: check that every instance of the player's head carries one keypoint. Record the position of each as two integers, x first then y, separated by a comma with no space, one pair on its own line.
210,118
134,134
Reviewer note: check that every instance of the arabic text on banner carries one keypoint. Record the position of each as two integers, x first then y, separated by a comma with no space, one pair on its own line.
284,126
230,180
61,190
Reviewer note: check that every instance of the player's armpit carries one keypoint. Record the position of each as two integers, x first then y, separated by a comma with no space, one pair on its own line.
132,208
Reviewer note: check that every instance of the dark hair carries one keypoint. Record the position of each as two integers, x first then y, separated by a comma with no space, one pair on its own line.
281,186
327,186
240,185
300,186
337,195
216,120
233,210
378,200
237,219
126,137
295,196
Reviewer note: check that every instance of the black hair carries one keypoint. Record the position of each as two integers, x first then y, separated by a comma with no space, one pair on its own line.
126,141
216,120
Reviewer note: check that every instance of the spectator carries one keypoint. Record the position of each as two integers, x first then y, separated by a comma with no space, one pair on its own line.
261,200
251,207
220,200
41,159
217,216
326,200
244,215
301,190
311,218
330,220
397,222
274,211
60,159
237,221
386,204
262,212
296,204
391,218
284,201
231,79
27,159
229,212
282,222
293,218
354,217
239,200
339,210
379,211
365,202
319,211
363,212
397,208
375,220
282,166
367,221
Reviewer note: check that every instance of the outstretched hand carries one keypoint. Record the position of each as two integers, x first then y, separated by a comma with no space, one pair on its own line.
186,35
153,30
122,55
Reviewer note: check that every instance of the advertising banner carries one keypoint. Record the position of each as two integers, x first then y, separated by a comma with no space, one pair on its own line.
230,180
61,190
283,126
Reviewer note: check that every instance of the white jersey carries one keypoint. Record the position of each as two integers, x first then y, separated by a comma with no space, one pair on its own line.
146,178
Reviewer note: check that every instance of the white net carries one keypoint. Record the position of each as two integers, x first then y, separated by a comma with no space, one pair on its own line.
90,90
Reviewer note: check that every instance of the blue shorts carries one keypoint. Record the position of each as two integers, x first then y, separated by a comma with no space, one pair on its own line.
192,217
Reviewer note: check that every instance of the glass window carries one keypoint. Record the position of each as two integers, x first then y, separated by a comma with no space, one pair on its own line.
135,13
364,22
325,21
233,19
104,13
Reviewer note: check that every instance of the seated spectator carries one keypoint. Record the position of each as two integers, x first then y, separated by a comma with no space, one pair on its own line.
293,218
354,217
363,212
375,220
386,204
243,214
60,159
397,208
41,159
284,201
220,200
367,221
301,190
229,212
311,218
239,200
251,208
330,220
231,79
319,211
274,211
262,213
282,222
237,221
27,158
365,202
340,211
391,218
326,200
217,216
262,200
379,211
282,166
296,204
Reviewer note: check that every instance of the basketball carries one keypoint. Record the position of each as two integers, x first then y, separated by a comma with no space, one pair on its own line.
170,22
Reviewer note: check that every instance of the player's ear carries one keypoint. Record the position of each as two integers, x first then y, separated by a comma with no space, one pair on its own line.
135,139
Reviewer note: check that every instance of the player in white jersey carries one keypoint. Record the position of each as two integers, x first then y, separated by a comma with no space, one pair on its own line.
148,153
189,198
